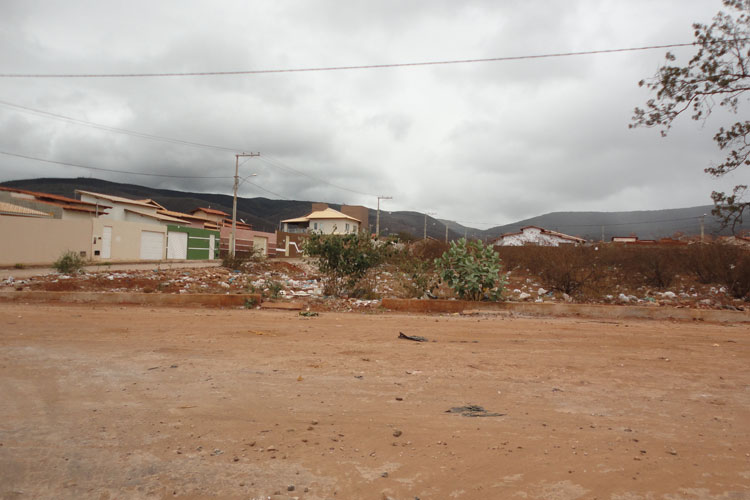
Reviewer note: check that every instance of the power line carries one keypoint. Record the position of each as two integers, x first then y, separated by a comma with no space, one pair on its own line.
273,162
267,191
113,170
279,164
342,68
143,135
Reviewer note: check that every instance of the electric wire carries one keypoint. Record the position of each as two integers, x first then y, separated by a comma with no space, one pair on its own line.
134,133
343,68
68,164
275,162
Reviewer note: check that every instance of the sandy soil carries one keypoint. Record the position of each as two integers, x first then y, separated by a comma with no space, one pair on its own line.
115,402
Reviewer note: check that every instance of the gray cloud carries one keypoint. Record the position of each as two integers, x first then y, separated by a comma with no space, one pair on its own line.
487,142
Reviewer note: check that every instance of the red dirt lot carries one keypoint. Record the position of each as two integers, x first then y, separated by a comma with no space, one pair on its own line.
132,402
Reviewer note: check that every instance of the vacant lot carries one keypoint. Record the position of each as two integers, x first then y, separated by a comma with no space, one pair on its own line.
110,402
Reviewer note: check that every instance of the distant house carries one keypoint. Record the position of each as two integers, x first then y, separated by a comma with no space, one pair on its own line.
55,206
326,221
534,235
624,239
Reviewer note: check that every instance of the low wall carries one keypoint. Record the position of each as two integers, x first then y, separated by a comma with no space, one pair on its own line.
565,309
151,299
26,240
245,240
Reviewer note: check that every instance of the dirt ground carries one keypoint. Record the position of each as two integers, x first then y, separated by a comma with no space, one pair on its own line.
129,402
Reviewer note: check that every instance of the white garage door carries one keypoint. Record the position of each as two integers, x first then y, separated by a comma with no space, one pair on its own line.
177,245
152,245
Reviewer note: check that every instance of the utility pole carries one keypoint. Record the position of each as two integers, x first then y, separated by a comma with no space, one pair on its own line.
425,222
233,243
377,218
703,217
446,233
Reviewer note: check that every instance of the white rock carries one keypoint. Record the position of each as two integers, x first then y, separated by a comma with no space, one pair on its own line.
524,296
541,291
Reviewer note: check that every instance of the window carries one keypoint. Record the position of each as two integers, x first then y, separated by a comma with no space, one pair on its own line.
315,226
347,228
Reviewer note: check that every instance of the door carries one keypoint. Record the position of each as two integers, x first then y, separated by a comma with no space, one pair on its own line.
152,245
211,247
177,245
107,242
260,244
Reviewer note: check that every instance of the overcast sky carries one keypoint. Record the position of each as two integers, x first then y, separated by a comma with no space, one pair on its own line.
485,144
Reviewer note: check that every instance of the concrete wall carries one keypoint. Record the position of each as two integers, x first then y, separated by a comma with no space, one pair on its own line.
198,242
245,240
360,213
126,238
28,240
289,244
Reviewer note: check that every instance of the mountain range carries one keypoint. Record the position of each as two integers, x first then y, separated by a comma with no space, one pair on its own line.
265,214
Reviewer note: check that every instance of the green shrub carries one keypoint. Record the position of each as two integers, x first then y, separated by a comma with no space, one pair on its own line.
472,270
343,259
274,288
240,260
69,262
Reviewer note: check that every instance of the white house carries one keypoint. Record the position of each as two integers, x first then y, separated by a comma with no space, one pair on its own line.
328,221
125,209
534,235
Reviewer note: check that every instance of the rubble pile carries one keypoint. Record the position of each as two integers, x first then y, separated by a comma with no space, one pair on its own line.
300,282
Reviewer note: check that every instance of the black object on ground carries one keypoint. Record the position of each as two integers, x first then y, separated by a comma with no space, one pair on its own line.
473,411
415,338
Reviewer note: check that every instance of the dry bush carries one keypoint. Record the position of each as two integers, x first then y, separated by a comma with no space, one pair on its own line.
722,264
571,269
652,265
568,269
416,265
428,250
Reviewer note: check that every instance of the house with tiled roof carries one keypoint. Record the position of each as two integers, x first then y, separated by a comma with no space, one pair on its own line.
210,214
326,221
21,211
126,209
535,235
58,207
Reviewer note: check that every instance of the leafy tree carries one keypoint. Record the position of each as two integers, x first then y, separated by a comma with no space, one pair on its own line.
472,270
343,259
718,73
